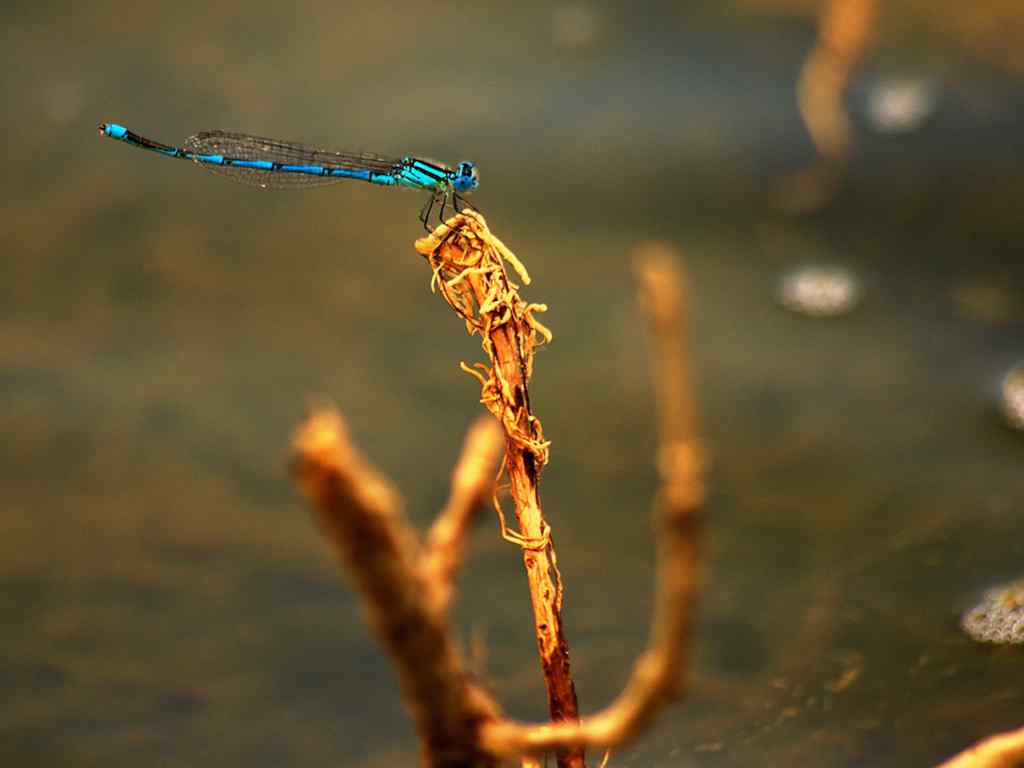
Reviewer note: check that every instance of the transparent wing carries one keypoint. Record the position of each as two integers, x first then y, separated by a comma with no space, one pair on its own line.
241,146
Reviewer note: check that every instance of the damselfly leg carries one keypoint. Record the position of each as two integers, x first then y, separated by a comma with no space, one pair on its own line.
443,199
426,210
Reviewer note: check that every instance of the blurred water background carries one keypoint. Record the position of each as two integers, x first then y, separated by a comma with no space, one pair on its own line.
165,598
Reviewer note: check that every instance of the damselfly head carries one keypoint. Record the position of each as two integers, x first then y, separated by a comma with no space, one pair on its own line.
467,177
113,130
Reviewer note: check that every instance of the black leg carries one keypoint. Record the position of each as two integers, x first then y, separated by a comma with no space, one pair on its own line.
425,212
444,205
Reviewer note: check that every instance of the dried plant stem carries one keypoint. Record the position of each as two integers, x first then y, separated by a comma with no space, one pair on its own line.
1003,750
658,674
468,264
523,471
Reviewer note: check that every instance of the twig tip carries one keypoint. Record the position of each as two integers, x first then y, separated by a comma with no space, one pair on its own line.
320,435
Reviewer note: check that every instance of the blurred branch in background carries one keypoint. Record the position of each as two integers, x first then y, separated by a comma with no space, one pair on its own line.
844,31
406,585
991,30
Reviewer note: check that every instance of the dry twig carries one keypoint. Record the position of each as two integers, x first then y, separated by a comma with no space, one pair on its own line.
468,263
658,674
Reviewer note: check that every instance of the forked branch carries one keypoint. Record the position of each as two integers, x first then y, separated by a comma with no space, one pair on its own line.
403,590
